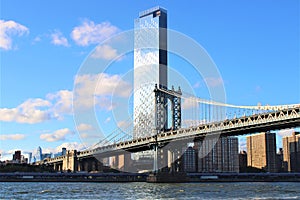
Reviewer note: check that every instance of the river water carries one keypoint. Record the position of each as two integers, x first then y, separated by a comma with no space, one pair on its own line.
258,190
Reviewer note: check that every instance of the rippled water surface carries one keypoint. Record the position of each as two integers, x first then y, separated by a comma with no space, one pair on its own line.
149,191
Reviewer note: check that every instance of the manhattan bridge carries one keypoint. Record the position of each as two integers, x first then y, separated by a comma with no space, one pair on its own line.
207,118
161,125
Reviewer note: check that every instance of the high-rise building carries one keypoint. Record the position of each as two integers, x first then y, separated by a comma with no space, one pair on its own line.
279,160
17,156
261,151
291,152
29,157
243,161
39,154
150,68
46,155
218,156
189,159
63,151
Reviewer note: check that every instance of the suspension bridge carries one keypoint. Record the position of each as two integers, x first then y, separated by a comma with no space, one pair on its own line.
199,119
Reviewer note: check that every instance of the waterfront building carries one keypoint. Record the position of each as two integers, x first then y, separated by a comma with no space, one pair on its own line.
17,156
62,153
189,160
279,160
150,68
218,155
291,152
261,151
243,161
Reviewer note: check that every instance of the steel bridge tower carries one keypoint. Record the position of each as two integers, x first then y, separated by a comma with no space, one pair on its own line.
162,96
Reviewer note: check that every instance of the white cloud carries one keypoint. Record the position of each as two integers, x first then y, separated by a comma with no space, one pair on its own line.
12,137
84,127
57,104
58,39
286,132
90,33
63,101
105,103
189,103
68,145
31,111
71,146
94,89
7,155
213,82
59,135
9,28
38,110
105,52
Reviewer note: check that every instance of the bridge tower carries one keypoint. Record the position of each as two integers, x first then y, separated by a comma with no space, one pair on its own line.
161,115
161,107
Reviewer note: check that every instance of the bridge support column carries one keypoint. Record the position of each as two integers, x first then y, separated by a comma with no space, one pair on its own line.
86,165
59,167
162,159
127,162
93,163
155,161
70,161
79,166
99,166
170,160
123,161
174,157
114,161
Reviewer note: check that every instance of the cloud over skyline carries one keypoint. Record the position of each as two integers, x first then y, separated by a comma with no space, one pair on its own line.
91,33
12,136
59,135
97,89
31,111
7,30
105,52
58,39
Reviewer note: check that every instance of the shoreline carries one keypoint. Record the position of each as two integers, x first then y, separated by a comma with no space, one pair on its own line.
150,178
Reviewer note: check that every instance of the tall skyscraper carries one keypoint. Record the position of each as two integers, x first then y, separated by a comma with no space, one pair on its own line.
63,151
150,68
29,157
291,152
39,154
220,156
261,151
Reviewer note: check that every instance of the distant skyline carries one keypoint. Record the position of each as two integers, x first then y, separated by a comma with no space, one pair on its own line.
255,45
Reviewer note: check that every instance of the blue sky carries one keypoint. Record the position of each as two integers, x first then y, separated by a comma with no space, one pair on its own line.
255,45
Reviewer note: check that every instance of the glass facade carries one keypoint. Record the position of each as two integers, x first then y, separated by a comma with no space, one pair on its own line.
150,67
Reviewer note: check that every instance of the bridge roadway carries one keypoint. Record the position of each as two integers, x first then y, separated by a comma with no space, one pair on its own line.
287,118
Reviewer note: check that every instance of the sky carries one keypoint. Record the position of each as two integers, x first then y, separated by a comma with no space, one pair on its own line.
44,45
